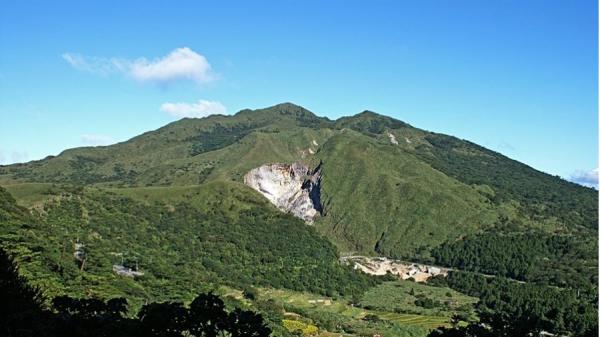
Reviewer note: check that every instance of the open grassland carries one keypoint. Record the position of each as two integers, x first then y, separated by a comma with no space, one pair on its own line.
31,194
417,298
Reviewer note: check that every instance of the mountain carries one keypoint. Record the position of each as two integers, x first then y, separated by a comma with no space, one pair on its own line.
392,199
174,203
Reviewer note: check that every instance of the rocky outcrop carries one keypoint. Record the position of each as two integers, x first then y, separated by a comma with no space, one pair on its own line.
393,139
292,188
126,271
404,270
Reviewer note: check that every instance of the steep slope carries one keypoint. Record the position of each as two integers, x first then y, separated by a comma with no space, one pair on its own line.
539,195
292,188
377,197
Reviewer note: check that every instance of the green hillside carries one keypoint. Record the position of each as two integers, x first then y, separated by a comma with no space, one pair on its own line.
429,187
180,249
383,199
171,203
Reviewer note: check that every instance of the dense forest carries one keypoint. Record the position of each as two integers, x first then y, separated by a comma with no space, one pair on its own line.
24,313
535,282
510,308
560,260
184,245
218,137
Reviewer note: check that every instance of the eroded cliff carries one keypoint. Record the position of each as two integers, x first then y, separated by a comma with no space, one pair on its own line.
292,188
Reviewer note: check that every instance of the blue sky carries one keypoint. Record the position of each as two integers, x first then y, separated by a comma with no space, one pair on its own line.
519,77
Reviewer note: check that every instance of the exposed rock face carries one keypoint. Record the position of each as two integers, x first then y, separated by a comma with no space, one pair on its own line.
393,139
404,270
292,188
126,271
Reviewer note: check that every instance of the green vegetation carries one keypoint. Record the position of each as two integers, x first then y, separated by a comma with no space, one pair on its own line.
369,123
377,198
24,314
515,309
539,194
180,250
300,328
218,137
171,204
21,303
420,299
561,260
340,316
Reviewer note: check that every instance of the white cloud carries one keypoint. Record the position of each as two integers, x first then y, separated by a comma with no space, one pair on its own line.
91,139
95,65
586,178
200,109
179,64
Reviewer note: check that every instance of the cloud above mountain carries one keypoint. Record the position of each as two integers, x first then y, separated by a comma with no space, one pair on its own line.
200,109
586,178
180,64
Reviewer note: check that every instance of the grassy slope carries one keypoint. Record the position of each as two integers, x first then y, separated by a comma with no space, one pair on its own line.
380,301
542,197
380,198
400,296
170,155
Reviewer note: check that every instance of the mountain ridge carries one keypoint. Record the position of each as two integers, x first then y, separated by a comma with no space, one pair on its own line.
284,109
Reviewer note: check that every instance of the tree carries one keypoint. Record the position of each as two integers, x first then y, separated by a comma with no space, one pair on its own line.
247,324
163,319
207,315
21,311
250,293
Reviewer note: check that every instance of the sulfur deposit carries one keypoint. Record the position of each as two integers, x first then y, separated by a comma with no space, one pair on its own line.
292,188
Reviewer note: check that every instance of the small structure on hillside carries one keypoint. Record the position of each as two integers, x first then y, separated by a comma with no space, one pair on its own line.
126,271
79,252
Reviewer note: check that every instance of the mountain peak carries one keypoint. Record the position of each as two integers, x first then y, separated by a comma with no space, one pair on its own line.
370,122
286,112
288,108
285,108
367,113
287,105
